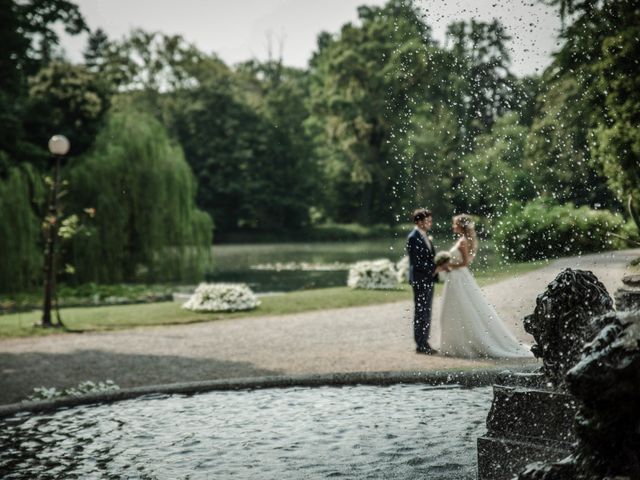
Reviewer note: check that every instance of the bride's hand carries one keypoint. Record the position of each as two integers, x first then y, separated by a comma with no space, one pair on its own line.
443,268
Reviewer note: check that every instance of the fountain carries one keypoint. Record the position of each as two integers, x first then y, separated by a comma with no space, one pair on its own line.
628,296
606,386
531,416
577,418
283,429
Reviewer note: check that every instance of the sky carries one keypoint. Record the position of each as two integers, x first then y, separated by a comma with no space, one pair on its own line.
239,30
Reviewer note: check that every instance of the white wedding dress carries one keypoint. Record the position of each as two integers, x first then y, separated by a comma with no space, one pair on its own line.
469,325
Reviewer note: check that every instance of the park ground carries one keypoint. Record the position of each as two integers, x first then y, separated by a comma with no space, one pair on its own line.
374,338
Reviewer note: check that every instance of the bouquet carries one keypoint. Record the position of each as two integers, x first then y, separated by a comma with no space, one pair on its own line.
442,258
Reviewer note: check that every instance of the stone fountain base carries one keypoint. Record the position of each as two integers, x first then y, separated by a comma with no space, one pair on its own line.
527,423
628,296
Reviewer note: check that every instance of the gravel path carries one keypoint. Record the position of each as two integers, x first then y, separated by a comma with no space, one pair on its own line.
371,338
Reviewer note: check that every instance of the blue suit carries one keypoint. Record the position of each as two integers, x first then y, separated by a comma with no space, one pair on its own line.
421,277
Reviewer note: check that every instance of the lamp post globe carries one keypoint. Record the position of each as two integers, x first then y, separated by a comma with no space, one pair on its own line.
59,145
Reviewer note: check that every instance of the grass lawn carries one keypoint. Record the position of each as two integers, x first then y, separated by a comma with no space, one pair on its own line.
167,313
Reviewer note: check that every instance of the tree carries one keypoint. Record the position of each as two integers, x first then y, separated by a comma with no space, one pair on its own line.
242,131
495,173
65,99
109,61
365,83
391,109
20,229
33,26
557,149
239,142
433,155
289,180
618,136
482,62
147,227
147,66
27,42
572,105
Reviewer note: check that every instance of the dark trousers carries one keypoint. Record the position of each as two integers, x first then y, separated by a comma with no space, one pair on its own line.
422,300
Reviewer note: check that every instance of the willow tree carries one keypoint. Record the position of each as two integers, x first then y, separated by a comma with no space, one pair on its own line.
20,253
146,226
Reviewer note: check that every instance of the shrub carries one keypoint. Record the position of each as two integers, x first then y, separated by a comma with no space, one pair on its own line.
543,229
629,236
373,275
222,297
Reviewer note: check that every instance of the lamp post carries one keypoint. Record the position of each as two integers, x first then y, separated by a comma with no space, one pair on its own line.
58,146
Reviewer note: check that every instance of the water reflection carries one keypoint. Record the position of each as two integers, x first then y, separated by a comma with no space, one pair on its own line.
236,263
400,431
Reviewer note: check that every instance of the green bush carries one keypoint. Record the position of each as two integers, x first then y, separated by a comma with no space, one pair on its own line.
89,294
543,229
628,237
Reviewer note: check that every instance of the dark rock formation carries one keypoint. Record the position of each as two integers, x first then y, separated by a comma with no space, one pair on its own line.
606,384
532,415
562,320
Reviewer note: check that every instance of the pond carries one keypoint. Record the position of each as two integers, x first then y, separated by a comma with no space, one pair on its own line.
295,266
356,432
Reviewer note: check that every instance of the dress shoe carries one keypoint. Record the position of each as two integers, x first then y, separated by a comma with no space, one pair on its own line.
426,350
430,351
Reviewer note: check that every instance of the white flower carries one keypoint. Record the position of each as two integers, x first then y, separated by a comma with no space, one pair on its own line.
442,258
302,266
373,274
221,297
44,393
402,269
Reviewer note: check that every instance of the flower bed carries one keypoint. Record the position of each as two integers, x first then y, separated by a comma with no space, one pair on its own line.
222,297
402,269
373,275
83,388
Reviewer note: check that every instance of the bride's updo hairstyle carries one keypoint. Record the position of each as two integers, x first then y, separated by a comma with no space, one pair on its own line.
468,227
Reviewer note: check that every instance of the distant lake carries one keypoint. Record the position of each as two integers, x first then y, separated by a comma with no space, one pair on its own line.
281,267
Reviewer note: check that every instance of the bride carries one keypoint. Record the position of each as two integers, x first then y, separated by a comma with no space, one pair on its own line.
470,326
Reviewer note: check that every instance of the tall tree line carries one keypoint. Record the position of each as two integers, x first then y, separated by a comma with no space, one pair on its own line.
129,172
384,118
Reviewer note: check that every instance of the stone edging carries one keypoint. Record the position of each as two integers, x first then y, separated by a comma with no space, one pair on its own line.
465,378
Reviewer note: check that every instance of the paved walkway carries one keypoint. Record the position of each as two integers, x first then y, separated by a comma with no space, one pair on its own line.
372,338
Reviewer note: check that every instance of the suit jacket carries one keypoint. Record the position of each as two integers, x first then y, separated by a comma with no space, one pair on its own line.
421,260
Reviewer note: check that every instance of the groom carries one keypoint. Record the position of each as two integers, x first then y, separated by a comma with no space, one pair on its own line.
422,274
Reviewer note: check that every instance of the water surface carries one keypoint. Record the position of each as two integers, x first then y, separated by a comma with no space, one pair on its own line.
237,263
356,432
